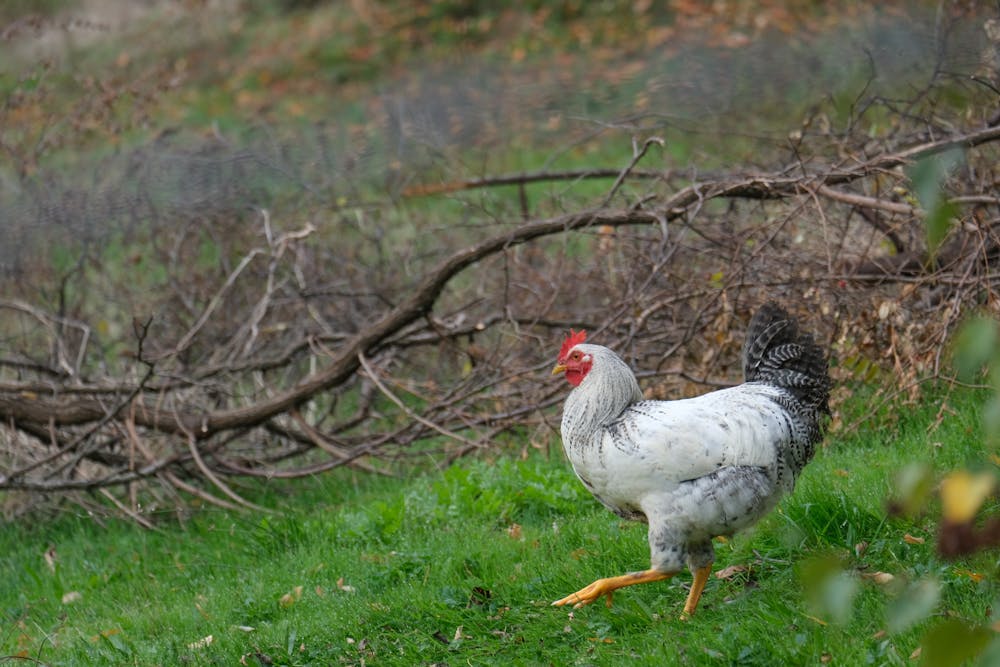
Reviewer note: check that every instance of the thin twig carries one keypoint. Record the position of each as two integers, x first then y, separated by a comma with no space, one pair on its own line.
410,413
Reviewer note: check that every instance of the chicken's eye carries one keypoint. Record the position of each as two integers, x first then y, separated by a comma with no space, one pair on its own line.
575,356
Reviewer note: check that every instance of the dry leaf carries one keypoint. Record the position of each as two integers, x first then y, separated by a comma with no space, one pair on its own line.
459,635
606,640
840,472
860,548
910,539
50,558
730,572
963,493
880,578
879,634
916,653
291,597
577,554
514,531
975,576
344,587
202,643
71,597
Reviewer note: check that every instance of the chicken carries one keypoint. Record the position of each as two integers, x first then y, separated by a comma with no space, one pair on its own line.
696,468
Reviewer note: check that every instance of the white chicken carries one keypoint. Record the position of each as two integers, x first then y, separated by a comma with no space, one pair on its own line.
696,468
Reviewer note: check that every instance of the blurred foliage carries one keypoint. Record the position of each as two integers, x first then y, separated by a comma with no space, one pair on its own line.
928,176
11,10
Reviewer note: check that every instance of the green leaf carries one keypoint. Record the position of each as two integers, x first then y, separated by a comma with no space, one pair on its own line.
951,642
927,177
914,484
991,419
914,605
829,589
938,222
975,346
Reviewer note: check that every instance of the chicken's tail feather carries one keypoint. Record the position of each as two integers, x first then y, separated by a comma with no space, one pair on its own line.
776,352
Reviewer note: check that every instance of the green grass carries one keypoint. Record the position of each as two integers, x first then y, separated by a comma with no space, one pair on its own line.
431,570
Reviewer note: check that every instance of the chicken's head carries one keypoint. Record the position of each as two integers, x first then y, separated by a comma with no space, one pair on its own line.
572,361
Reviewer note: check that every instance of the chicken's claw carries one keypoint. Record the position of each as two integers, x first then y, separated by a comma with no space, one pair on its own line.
590,594
608,586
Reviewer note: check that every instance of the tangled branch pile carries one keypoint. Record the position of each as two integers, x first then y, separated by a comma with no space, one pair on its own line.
303,356
183,356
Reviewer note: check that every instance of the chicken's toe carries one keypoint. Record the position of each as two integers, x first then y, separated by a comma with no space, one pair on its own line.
606,587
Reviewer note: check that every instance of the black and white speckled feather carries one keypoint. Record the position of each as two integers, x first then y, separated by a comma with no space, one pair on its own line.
705,466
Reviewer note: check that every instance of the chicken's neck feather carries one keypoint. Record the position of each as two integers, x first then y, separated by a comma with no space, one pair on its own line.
603,395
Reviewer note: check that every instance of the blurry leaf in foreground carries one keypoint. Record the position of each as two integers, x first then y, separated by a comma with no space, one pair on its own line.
975,347
938,222
963,493
951,642
914,605
991,418
928,176
829,589
914,484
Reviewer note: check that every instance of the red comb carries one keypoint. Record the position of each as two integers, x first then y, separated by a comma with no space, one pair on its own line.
571,341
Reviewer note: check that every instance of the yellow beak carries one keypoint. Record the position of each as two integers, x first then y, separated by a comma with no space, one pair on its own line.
560,368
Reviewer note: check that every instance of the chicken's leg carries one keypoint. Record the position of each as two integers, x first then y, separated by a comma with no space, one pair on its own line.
608,586
697,586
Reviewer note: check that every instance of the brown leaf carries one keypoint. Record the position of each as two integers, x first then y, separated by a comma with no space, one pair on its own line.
344,587
730,572
916,653
105,634
514,531
50,558
975,576
910,539
880,578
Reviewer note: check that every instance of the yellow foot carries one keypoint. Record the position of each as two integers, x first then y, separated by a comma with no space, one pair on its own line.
697,586
588,595
607,587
